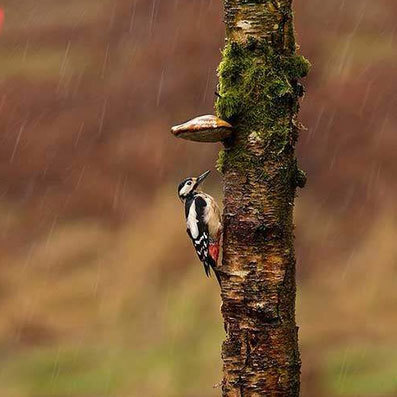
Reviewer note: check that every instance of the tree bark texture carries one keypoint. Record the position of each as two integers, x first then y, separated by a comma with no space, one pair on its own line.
259,91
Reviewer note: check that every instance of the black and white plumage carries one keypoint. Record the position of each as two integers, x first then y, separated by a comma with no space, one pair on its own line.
197,229
203,222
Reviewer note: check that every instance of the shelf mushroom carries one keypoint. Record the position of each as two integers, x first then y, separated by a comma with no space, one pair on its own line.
203,129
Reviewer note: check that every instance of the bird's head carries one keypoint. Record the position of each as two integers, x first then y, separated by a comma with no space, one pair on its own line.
190,185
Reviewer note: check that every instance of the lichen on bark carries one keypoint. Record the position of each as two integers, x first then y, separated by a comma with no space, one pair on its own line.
259,95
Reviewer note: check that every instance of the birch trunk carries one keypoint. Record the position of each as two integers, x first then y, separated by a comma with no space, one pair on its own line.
259,90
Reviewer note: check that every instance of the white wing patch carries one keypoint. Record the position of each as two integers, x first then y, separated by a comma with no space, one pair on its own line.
192,221
198,242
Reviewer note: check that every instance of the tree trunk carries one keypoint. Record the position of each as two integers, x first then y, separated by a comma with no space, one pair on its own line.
259,92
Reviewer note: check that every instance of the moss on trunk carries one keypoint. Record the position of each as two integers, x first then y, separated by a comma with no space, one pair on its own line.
259,91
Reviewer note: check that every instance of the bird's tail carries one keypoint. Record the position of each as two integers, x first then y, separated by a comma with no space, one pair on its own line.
217,277
211,264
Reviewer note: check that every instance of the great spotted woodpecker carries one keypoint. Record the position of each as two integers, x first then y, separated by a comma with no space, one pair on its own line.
203,221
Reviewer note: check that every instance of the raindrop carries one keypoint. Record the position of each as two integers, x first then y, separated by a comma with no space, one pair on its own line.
206,85
366,96
160,89
116,195
105,61
17,143
80,178
102,120
319,117
25,51
152,16
65,58
56,367
132,20
79,134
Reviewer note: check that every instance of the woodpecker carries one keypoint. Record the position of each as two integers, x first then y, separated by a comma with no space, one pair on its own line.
203,221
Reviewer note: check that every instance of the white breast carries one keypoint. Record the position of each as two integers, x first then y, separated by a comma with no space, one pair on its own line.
212,216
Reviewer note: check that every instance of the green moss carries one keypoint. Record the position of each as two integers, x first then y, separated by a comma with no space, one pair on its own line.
259,91
301,178
236,157
221,161
296,66
251,75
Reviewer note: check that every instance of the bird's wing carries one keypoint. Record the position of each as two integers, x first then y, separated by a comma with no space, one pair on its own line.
197,230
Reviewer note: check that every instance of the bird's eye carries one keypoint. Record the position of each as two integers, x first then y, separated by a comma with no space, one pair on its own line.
189,183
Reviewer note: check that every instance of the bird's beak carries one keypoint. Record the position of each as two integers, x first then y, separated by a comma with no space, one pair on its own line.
202,177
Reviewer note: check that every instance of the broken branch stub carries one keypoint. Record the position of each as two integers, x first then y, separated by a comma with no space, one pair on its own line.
203,129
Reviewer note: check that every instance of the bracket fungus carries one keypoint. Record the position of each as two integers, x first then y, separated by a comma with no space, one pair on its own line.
203,129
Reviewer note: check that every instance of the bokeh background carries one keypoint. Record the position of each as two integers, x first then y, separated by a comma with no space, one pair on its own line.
100,291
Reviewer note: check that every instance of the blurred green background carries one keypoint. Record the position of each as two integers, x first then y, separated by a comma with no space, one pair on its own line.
100,291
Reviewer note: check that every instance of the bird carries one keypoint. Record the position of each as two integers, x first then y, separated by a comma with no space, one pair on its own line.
203,222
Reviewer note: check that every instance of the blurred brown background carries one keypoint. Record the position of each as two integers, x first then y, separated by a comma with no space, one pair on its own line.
100,291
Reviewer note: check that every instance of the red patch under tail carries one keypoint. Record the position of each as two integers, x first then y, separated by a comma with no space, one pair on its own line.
214,252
